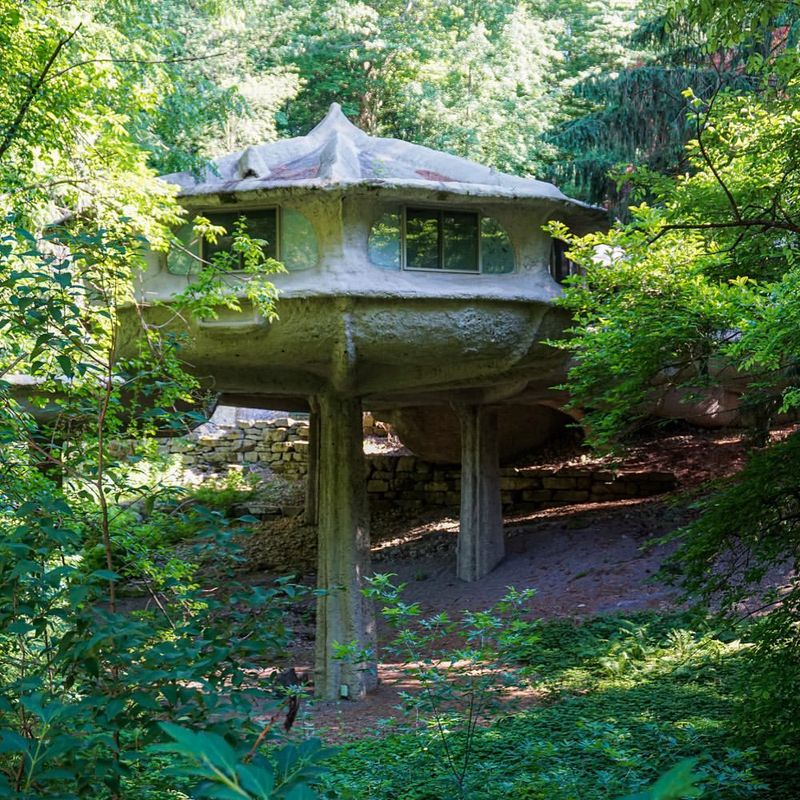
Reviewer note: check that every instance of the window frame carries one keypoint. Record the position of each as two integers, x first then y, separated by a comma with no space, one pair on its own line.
441,211
558,258
243,213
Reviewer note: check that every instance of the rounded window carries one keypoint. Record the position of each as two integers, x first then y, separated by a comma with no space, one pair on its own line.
439,239
297,241
288,236
384,241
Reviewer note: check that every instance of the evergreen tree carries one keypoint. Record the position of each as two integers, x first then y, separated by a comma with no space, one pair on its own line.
635,114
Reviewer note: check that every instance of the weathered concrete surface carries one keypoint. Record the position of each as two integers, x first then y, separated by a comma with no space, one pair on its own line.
715,407
344,615
336,154
312,475
481,545
434,432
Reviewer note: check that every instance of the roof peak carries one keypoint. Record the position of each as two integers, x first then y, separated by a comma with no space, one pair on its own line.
335,121
338,154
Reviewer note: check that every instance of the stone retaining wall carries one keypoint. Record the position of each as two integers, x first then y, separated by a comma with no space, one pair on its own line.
282,445
410,482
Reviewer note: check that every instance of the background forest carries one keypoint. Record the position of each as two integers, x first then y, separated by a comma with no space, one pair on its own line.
681,118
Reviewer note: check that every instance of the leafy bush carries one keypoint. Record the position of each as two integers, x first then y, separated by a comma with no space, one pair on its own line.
285,774
744,543
586,731
84,681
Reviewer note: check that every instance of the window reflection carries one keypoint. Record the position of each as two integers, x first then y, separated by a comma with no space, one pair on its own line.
437,239
298,241
440,239
260,225
459,232
384,241
423,232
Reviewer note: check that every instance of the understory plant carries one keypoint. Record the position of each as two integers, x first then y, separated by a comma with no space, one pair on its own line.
465,672
229,773
634,707
88,677
461,670
742,554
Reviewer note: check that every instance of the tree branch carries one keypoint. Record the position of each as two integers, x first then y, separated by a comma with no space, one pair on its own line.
34,90
704,153
141,61
764,224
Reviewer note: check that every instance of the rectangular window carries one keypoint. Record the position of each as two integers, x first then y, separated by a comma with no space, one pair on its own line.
261,224
440,239
560,266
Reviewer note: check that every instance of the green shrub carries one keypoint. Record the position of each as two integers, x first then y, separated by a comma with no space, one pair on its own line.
746,539
591,731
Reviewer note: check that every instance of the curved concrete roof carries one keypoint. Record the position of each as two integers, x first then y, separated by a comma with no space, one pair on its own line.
338,155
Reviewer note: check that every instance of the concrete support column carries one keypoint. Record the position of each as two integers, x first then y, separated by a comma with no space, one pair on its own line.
312,474
344,615
481,544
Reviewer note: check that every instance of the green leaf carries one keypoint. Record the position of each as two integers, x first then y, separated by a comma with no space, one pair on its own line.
105,575
258,780
680,783
12,742
65,362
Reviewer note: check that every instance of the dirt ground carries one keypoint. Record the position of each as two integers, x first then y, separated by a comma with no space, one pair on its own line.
582,560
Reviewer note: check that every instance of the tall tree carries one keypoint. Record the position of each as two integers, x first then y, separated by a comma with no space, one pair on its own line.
697,295
224,89
361,55
632,111
487,92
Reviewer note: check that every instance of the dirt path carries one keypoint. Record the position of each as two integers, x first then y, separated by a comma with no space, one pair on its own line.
582,560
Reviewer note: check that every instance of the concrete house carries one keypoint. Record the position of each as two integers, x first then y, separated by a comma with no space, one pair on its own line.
416,282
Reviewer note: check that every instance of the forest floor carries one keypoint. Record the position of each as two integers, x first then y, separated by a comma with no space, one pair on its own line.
583,560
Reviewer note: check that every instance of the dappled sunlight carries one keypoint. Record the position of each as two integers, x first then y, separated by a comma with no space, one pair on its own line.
598,698
572,511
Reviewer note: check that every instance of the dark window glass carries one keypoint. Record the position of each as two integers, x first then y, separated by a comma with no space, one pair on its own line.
560,266
260,225
460,241
442,240
422,239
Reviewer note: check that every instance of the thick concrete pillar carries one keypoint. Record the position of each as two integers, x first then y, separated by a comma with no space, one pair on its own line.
311,513
344,615
481,545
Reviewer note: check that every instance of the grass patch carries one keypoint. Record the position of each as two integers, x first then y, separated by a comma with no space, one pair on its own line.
624,699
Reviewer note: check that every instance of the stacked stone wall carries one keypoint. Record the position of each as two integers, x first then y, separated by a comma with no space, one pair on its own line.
280,444
407,481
